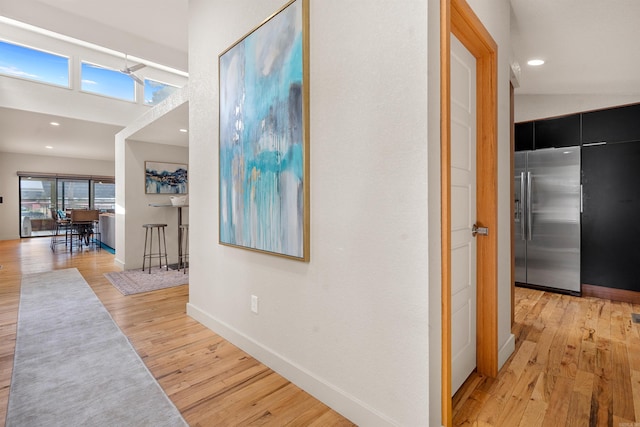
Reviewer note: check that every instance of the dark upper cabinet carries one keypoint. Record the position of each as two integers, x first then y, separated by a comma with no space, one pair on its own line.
557,132
523,136
610,244
621,124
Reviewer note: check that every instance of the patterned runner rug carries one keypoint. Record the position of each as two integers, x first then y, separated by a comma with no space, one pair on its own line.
137,281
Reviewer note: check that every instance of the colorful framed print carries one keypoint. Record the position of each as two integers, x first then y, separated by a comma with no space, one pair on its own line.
264,136
165,178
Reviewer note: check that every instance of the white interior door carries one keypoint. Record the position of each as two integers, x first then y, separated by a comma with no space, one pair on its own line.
463,213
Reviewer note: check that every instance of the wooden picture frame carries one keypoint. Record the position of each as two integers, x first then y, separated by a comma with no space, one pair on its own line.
264,136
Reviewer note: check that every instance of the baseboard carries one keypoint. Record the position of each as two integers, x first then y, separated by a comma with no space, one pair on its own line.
338,400
119,263
623,295
506,351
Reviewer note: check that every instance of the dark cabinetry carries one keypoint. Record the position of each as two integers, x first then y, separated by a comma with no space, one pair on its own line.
548,133
620,124
557,132
523,136
610,252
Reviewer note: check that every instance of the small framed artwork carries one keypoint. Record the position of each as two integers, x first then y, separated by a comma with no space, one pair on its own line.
264,136
165,178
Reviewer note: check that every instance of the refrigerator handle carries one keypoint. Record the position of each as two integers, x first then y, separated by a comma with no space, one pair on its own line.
522,207
529,205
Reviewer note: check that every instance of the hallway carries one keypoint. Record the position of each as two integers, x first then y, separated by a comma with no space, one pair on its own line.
210,381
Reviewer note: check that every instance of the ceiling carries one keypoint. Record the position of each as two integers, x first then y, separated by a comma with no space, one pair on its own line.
139,28
588,46
585,43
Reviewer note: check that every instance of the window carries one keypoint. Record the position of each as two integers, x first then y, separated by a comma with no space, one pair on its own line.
107,82
104,196
40,194
73,194
155,92
32,64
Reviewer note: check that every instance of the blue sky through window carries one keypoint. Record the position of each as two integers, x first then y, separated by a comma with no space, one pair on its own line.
107,82
155,92
27,63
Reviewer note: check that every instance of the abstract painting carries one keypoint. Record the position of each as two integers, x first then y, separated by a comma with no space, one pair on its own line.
264,137
165,178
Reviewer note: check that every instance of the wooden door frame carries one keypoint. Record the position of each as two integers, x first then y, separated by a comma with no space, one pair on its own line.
457,17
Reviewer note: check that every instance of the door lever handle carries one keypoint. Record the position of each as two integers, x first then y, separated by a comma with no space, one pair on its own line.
483,231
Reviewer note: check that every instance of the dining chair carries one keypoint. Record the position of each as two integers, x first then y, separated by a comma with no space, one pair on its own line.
85,225
60,225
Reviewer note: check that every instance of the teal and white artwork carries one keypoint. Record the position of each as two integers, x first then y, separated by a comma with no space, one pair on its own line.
165,178
262,138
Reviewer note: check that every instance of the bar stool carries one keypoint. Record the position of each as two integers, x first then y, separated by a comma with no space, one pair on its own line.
183,249
148,237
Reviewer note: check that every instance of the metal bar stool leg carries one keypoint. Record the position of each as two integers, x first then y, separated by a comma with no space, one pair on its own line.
148,246
183,247
164,239
144,255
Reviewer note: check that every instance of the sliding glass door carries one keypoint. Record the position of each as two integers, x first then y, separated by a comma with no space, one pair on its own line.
36,195
73,194
40,195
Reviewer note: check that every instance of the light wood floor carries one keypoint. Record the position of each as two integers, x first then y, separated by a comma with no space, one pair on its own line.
209,380
577,363
577,360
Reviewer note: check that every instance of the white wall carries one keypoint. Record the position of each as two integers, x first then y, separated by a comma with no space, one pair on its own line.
533,107
350,326
132,204
129,231
434,218
11,163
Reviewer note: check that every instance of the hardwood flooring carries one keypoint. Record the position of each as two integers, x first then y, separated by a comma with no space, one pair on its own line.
210,381
577,360
577,363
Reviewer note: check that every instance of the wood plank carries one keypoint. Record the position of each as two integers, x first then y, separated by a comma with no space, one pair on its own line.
502,389
558,404
515,406
623,405
601,405
635,385
580,401
536,408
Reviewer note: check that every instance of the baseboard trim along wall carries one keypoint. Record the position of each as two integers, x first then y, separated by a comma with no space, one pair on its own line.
622,295
340,401
507,350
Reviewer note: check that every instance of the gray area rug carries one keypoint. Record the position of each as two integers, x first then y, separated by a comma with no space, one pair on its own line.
74,367
137,281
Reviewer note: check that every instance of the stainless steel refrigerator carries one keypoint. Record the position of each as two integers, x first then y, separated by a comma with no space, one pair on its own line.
547,219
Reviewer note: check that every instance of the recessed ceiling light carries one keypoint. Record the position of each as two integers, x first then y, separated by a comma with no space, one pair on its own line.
535,62
54,124
49,147
184,130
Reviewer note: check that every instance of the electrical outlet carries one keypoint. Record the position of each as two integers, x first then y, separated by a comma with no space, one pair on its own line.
254,304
